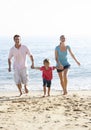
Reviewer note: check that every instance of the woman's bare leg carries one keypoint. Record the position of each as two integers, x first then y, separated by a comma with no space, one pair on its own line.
65,80
61,80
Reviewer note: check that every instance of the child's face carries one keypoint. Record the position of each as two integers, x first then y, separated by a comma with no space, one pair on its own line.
46,64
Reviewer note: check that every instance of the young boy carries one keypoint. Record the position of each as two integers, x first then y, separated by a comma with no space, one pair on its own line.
46,75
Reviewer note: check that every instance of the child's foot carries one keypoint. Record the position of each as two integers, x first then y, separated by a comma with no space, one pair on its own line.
44,96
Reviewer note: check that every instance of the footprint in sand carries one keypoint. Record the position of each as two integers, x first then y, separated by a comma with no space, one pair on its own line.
46,121
76,124
47,109
57,121
47,116
1,128
67,124
84,126
40,128
2,112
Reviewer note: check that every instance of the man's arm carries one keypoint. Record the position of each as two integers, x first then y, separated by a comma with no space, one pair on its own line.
31,57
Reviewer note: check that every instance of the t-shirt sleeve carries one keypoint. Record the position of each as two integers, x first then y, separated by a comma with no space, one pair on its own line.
10,54
68,47
41,68
53,68
28,52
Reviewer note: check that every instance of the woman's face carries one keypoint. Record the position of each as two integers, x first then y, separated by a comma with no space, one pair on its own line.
62,39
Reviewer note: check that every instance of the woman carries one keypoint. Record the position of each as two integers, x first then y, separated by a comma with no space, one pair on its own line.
62,62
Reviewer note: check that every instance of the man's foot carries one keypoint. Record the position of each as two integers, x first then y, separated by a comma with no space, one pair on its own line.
26,90
20,94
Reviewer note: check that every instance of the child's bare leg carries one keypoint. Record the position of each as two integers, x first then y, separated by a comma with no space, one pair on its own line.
48,91
19,87
26,90
44,88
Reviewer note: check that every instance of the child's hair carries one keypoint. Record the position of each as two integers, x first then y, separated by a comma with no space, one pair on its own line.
46,61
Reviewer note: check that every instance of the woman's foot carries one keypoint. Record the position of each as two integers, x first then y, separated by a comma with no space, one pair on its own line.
20,94
65,93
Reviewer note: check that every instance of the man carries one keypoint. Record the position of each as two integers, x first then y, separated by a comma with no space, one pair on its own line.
19,52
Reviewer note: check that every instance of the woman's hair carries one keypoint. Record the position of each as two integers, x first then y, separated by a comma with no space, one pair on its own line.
16,36
46,61
62,36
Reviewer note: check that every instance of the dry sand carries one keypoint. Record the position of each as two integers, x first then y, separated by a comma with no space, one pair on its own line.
57,112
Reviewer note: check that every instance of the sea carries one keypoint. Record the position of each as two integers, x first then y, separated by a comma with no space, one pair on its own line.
79,77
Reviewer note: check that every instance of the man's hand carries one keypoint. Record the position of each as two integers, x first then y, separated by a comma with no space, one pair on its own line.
32,67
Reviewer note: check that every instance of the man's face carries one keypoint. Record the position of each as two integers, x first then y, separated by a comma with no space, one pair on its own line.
17,40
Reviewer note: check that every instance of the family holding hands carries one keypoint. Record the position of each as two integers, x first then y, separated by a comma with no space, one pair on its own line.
19,52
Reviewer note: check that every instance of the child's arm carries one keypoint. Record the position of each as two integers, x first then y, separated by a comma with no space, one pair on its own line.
56,67
38,68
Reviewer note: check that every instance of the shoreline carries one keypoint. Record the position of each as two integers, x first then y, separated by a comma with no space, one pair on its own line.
39,92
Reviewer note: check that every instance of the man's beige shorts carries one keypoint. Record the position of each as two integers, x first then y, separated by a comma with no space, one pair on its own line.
21,76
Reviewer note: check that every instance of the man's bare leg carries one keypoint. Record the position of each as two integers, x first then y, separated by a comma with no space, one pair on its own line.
26,90
19,88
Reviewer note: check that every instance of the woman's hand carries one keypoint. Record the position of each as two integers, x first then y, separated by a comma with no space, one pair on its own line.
60,67
78,63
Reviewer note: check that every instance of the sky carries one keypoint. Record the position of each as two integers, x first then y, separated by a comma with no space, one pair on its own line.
45,17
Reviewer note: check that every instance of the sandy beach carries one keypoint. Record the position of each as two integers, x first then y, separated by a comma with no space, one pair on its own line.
57,112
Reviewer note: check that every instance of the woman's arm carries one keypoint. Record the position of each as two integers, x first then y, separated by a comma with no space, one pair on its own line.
57,61
9,64
73,56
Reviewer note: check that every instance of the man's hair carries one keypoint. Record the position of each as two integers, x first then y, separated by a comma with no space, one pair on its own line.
16,36
46,61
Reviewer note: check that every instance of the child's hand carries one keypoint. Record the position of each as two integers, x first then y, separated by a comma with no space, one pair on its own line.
60,67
